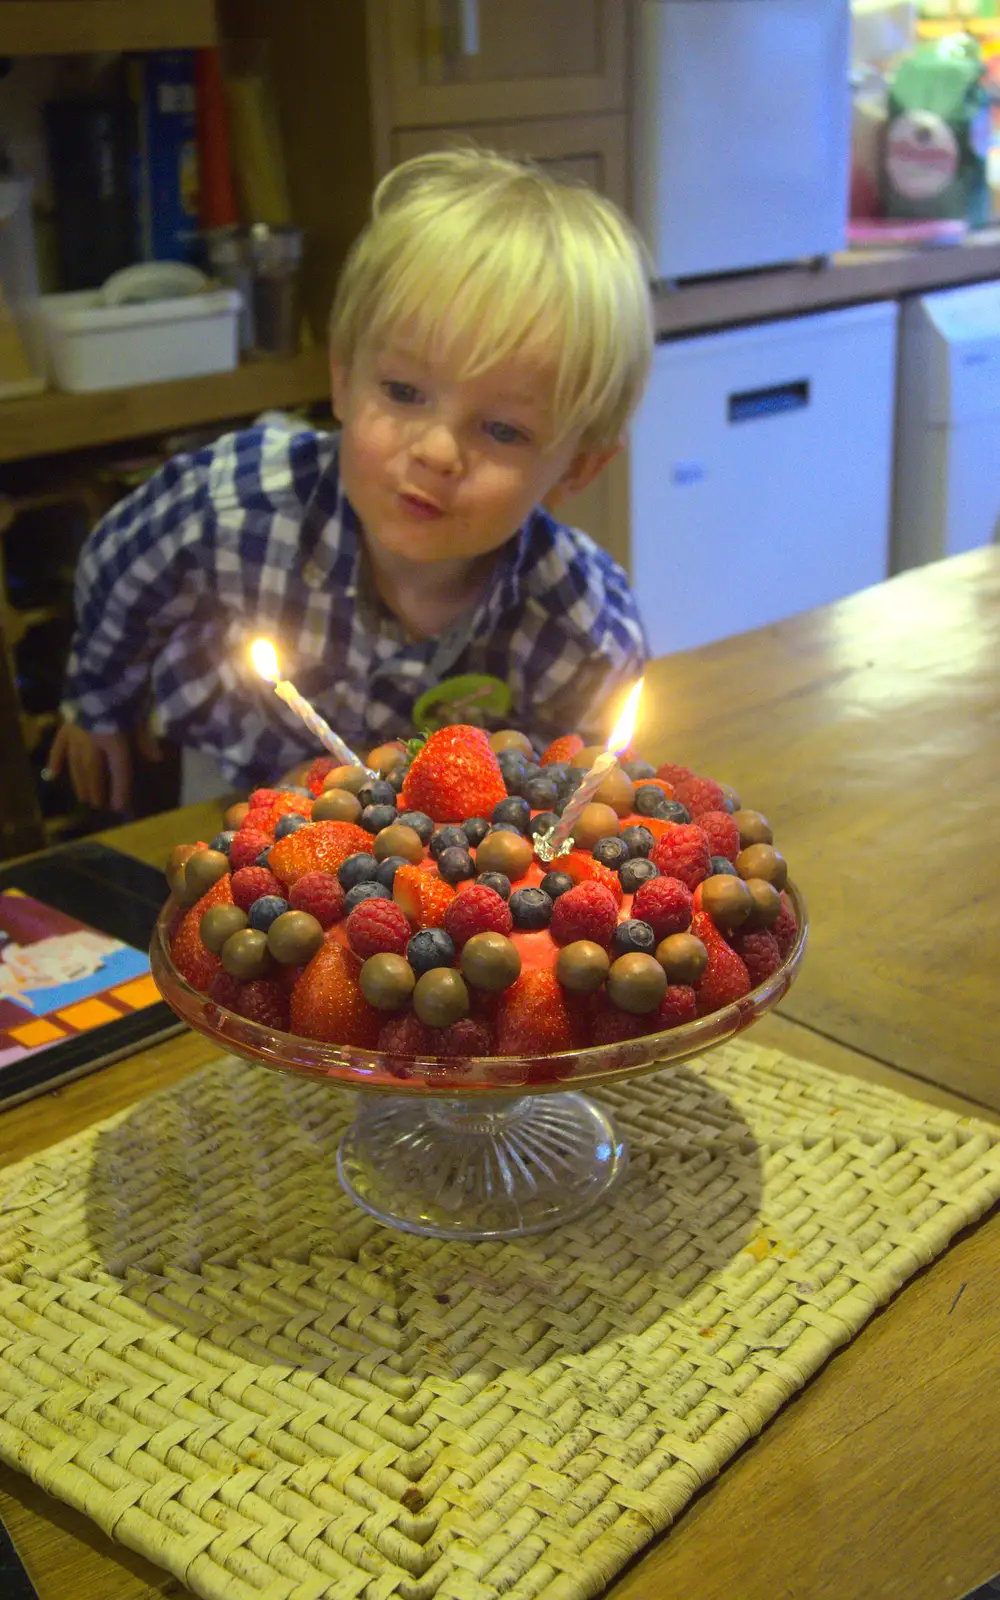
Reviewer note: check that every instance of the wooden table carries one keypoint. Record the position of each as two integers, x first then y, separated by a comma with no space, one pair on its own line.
870,733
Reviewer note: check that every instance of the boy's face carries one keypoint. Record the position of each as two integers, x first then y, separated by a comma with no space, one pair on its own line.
440,467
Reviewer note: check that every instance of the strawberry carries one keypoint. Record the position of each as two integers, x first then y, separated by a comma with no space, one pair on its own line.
533,1018
327,1002
191,958
456,775
582,868
563,749
319,846
423,896
285,805
726,978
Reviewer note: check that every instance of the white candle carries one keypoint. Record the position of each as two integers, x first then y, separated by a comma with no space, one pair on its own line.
549,845
265,659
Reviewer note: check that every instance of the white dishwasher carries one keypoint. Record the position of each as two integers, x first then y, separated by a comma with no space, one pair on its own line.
761,471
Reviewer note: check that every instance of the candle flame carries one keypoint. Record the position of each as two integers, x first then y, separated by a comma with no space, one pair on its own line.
265,659
621,733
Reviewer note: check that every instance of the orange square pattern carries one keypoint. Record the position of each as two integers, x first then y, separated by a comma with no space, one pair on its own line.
88,1014
136,994
32,1034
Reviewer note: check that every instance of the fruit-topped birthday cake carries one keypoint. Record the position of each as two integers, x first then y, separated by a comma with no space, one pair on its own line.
413,908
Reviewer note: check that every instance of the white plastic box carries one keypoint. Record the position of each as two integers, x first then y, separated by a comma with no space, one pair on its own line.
91,345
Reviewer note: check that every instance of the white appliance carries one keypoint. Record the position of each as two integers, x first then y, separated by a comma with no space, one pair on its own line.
761,466
947,489
742,132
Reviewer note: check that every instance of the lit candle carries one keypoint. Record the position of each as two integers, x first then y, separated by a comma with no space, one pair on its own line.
549,845
265,659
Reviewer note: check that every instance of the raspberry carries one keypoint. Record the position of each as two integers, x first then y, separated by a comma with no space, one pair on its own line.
318,847
563,749
614,1026
225,991
722,833
424,896
679,1005
699,795
327,1002
725,979
316,772
191,958
250,883
456,775
284,805
477,909
320,894
785,928
247,846
665,903
376,926
589,911
260,799
674,774
533,1018
467,1038
582,868
759,953
682,852
406,1035
264,1001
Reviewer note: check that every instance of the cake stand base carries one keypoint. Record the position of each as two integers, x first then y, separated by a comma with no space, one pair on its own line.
479,1168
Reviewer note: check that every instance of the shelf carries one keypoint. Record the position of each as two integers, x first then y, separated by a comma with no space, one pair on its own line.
47,423
73,27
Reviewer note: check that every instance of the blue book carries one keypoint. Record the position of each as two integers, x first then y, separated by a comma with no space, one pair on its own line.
167,155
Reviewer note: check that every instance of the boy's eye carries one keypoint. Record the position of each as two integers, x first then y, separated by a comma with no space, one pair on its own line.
404,394
505,433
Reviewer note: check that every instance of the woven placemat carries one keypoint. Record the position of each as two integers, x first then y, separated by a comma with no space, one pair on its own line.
209,1351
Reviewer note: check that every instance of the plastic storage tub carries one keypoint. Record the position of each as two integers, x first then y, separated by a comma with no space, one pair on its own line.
92,345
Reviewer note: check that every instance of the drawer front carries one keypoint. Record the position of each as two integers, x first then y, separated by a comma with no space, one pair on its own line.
591,148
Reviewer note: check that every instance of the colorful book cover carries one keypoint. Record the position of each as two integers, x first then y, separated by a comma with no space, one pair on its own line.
163,88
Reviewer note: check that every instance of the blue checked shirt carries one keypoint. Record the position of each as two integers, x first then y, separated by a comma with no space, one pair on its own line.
253,535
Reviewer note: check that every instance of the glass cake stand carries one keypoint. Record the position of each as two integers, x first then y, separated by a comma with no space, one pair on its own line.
480,1147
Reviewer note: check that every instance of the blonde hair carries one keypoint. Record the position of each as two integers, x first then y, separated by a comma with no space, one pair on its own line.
483,256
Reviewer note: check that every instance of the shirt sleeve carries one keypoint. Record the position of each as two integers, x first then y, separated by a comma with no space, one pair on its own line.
143,569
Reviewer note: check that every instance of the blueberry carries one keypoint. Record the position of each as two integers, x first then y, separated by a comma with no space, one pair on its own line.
264,859
632,874
723,864
455,864
558,771
673,811
556,883
633,935
298,788
475,830
378,793
506,827
386,870
639,769
638,840
610,851
447,838
372,890
542,823
514,810
431,947
650,801
419,821
511,763
530,908
222,841
541,794
263,911
375,818
360,868
529,773
290,824
396,779
496,880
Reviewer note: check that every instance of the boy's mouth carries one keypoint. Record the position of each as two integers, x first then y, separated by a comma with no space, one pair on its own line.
418,505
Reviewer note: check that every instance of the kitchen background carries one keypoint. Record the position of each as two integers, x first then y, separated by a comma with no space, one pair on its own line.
819,185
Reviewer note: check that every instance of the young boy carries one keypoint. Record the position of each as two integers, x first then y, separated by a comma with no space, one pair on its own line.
490,337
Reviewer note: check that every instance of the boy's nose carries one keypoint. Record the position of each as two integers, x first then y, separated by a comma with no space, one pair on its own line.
437,448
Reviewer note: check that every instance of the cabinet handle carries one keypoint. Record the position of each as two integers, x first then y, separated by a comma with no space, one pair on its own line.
780,397
470,27
460,30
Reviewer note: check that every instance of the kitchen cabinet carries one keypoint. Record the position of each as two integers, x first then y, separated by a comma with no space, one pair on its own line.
591,149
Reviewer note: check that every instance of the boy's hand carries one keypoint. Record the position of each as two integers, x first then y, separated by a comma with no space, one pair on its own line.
100,766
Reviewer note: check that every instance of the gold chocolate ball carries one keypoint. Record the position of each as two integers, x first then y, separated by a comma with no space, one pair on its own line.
510,739
387,981
398,840
765,905
294,938
754,828
203,871
336,805
582,966
586,757
636,983
385,757
440,997
732,798
618,792
218,923
727,900
352,778
594,822
509,853
756,861
236,815
490,961
682,957
245,954
177,860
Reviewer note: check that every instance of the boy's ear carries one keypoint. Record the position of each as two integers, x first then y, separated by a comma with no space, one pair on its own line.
338,386
581,472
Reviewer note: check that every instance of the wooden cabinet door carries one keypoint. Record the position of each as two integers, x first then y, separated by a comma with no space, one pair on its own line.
476,60
592,148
